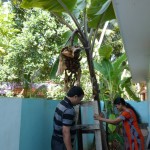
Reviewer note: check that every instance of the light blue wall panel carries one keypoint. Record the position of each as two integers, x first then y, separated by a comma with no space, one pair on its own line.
10,116
87,118
141,108
36,124
29,123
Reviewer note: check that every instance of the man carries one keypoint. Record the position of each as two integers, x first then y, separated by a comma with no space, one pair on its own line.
64,120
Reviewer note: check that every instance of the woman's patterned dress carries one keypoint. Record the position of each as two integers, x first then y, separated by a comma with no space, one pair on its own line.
133,137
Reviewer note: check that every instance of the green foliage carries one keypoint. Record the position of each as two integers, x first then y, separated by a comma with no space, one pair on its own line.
113,38
2,51
99,12
56,93
7,31
115,138
105,52
35,46
29,53
86,84
92,15
112,127
112,81
50,5
54,69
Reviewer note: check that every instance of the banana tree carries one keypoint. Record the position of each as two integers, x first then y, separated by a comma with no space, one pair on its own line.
113,83
87,17
112,80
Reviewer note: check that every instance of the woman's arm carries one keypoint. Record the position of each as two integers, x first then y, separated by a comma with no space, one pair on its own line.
111,121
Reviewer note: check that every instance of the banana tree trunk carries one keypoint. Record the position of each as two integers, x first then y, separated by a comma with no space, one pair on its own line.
95,87
95,90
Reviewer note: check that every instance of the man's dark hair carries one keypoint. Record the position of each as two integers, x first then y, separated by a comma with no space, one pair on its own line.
75,90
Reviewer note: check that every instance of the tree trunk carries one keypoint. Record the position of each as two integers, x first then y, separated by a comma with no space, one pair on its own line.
96,91
95,87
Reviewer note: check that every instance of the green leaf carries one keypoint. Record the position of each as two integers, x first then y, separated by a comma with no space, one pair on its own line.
118,62
109,14
51,5
125,81
92,10
65,36
105,68
104,8
54,69
98,66
111,127
131,93
93,13
105,51
80,6
115,136
119,138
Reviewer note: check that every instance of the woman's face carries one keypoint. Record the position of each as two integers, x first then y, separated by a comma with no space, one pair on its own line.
119,107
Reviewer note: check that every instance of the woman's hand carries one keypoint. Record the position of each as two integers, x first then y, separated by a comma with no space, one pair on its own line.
98,117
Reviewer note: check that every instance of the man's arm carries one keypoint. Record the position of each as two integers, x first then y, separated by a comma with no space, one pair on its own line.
67,137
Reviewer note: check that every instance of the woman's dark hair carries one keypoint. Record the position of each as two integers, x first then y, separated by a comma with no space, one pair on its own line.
75,90
120,100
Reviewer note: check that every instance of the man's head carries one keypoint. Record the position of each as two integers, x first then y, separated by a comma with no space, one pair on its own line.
75,95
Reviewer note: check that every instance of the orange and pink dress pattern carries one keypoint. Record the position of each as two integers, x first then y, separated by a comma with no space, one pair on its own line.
133,137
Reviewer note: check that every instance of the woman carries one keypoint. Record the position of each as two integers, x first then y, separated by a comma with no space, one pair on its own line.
133,137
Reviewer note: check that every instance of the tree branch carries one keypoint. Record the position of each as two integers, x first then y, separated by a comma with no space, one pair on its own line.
85,23
74,19
61,20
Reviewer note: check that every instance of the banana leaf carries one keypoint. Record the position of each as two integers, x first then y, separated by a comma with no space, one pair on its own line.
115,136
131,93
112,127
51,5
95,11
105,51
54,69
118,62
80,6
